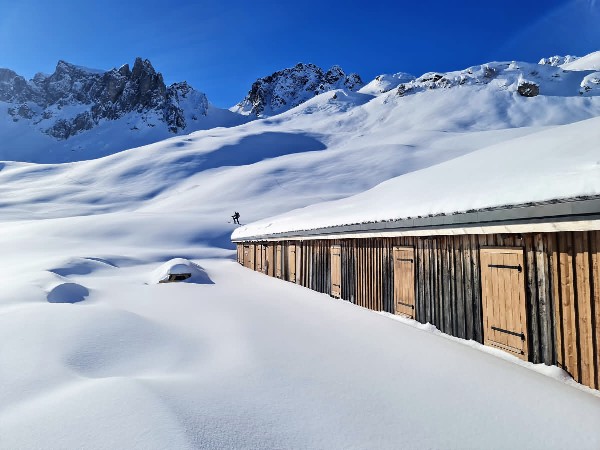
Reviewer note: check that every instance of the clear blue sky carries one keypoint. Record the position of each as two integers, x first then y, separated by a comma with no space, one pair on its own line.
221,47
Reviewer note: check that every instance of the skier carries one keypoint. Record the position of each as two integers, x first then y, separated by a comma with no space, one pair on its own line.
236,217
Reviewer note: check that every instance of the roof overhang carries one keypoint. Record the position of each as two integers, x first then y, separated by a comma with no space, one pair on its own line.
581,214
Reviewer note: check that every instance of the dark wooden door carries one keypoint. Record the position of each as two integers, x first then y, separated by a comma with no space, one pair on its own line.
336,271
404,281
503,298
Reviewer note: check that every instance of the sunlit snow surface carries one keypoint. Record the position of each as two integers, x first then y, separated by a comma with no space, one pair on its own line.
95,354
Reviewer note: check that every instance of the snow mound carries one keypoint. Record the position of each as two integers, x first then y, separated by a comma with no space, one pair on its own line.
182,267
67,292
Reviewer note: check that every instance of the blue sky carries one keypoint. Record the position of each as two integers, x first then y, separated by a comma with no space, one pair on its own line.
221,47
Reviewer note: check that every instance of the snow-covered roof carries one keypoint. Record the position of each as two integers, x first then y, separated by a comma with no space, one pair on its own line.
554,164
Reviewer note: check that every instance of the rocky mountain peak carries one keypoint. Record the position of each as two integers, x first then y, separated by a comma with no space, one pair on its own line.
94,96
287,88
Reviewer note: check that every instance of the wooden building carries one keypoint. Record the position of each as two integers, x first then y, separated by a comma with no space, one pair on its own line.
525,279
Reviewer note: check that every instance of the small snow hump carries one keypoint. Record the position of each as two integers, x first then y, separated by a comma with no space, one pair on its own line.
180,269
67,293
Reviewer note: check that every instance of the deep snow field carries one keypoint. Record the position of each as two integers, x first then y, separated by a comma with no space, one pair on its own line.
95,354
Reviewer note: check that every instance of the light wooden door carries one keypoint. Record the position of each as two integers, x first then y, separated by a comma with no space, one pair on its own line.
270,255
252,260
259,260
247,258
404,281
278,261
336,271
503,298
264,262
291,260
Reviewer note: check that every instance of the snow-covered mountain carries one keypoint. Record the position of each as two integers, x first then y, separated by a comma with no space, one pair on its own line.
133,106
525,79
290,87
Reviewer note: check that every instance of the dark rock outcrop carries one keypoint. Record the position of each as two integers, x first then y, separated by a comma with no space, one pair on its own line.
288,88
528,89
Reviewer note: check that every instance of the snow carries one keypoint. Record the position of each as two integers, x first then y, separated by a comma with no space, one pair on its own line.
180,266
94,353
588,62
385,83
560,163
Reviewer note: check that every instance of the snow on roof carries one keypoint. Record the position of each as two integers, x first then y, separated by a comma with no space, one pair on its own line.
557,163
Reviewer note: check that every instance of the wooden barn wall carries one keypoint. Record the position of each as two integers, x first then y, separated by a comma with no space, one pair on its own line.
562,273
575,266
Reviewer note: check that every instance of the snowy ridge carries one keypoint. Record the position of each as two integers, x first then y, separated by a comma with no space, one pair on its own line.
558,60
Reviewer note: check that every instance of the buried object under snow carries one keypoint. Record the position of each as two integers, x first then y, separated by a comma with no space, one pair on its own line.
180,269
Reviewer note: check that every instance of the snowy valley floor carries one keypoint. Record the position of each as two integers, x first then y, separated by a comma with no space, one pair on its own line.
245,362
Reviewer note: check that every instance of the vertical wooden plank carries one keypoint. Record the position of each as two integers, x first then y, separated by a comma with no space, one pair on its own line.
568,304
453,300
532,297
476,291
544,299
420,306
595,300
426,285
557,299
447,286
584,308
468,287
459,283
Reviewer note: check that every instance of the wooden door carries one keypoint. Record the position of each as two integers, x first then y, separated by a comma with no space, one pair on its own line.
278,261
264,263
247,258
404,281
252,260
503,298
291,263
259,255
270,256
336,271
